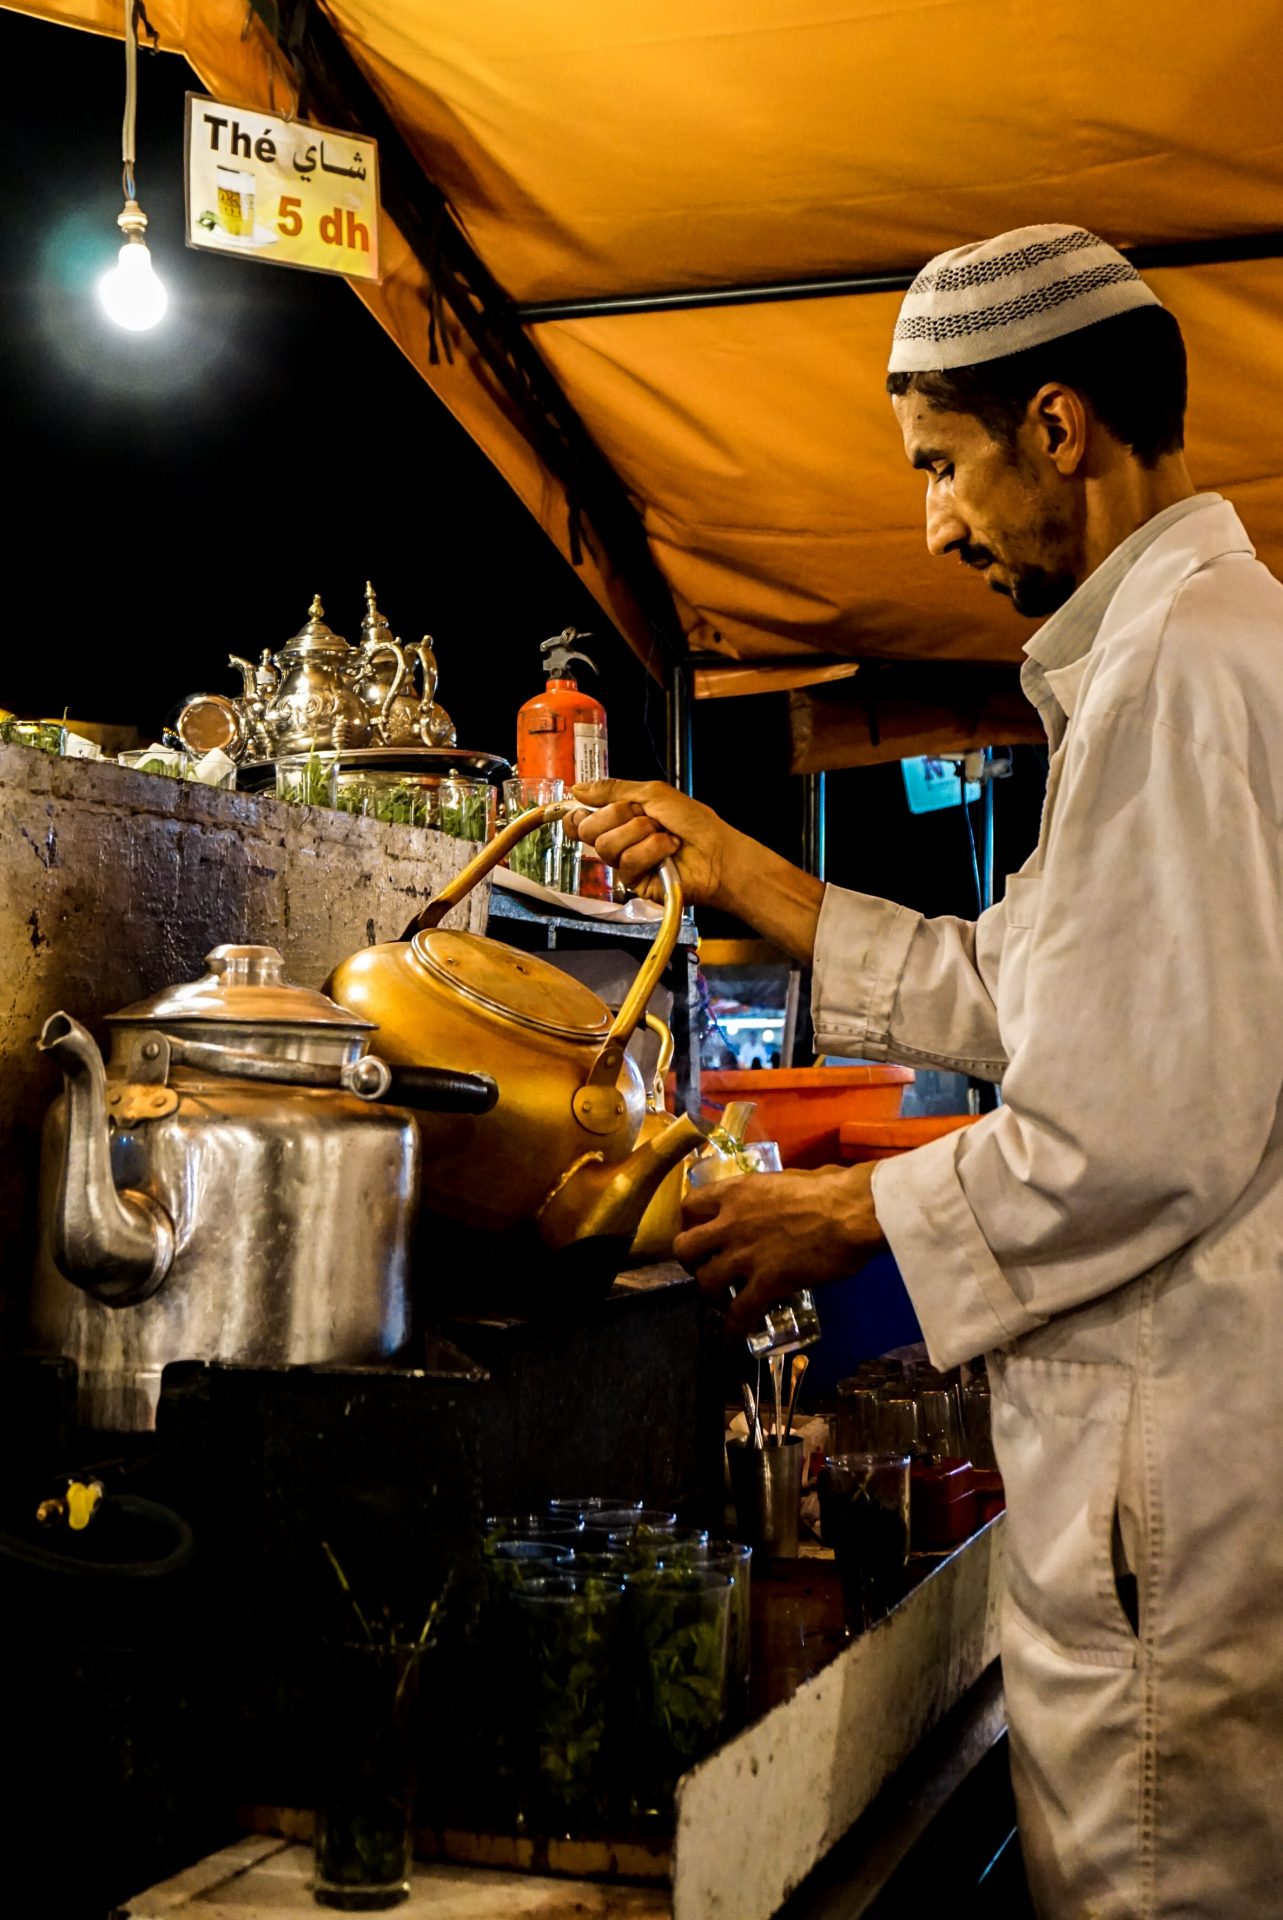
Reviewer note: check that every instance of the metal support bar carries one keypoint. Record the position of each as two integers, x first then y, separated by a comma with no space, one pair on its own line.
814,840
681,773
1158,253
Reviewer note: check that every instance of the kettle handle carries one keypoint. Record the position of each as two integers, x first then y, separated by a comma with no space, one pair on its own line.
610,1055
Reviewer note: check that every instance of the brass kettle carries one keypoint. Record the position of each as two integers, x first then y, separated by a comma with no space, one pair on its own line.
560,1149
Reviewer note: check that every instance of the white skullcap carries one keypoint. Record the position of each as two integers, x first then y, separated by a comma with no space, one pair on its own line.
995,297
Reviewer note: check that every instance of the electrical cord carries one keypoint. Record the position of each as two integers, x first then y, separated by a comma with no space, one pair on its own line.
128,137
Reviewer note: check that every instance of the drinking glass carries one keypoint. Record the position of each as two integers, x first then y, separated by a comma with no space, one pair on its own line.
976,1424
308,779
538,856
864,1518
939,1424
362,1841
731,1557
569,1630
855,1422
589,1504
677,1622
897,1424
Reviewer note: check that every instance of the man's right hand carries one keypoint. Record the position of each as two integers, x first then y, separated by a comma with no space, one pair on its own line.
634,824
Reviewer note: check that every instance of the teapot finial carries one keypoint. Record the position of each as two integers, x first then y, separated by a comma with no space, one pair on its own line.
316,611
375,626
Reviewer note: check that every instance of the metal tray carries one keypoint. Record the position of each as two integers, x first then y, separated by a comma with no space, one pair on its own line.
438,760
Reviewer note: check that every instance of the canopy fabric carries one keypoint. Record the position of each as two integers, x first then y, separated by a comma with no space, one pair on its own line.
663,146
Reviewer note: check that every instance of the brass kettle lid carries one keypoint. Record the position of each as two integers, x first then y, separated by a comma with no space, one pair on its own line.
520,986
241,986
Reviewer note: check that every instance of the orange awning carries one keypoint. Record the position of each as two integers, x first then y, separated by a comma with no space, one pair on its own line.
591,152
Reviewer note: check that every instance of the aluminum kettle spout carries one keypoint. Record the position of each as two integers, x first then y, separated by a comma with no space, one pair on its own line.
606,1200
116,1245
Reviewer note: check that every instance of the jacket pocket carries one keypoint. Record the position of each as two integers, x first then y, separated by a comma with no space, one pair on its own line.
1020,899
1059,1430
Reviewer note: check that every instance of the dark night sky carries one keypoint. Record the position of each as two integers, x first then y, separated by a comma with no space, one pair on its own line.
179,495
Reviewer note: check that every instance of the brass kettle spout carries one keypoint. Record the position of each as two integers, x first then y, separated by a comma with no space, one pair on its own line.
606,1200
117,1246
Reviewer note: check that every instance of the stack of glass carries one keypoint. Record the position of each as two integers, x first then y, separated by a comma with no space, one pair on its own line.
616,1649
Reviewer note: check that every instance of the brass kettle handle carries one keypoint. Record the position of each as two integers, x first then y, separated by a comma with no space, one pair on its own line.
594,1103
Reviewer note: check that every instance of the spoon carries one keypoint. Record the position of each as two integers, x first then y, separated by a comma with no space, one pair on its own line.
800,1365
750,1414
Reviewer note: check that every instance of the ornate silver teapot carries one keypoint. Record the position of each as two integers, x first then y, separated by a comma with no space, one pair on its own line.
402,717
231,1186
318,703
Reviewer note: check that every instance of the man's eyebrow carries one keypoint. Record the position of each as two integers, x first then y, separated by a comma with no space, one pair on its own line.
928,456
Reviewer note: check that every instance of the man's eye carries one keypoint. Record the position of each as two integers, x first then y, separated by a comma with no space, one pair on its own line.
944,471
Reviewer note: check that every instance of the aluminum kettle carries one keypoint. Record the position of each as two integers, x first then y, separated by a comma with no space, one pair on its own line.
232,1186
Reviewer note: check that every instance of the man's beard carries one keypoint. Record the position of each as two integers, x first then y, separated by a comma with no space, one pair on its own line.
1036,591
1032,590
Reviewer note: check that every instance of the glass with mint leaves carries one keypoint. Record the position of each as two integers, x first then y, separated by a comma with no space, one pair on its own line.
538,856
363,1834
677,1629
568,1636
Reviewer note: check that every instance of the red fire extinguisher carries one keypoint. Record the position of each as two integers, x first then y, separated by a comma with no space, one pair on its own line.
561,735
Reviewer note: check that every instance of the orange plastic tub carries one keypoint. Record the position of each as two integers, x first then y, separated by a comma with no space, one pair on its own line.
804,1107
883,1139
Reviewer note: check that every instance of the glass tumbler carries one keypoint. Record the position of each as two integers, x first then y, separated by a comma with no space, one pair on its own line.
538,856
308,779
677,1622
864,1518
362,1843
568,1634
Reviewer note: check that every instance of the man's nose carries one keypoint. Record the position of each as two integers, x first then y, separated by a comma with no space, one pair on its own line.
946,529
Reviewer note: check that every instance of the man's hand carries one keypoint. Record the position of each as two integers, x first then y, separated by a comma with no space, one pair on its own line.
767,1234
634,824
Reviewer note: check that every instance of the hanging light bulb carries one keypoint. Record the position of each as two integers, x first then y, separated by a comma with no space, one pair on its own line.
130,291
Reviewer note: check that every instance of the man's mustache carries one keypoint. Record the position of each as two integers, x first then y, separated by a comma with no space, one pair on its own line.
978,557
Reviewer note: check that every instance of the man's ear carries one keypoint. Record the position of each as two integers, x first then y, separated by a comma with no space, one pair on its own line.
1058,422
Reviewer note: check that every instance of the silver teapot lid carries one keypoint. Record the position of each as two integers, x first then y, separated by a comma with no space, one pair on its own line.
241,986
314,636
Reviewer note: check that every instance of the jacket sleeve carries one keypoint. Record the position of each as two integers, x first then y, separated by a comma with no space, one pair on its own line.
1153,979
891,985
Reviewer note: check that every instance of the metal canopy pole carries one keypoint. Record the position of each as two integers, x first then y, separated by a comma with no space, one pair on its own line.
680,741
1158,253
814,839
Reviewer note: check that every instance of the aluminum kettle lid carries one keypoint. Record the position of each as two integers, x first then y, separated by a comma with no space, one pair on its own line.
518,985
242,986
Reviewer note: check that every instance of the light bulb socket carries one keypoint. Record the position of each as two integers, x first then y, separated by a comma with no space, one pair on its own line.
132,222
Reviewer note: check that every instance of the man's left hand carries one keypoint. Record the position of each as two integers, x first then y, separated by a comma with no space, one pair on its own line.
767,1234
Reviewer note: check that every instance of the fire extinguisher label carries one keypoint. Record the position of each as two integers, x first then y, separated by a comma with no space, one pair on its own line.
590,753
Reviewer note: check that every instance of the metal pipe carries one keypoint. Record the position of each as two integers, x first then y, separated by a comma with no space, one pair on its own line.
987,830
1157,253
681,772
814,835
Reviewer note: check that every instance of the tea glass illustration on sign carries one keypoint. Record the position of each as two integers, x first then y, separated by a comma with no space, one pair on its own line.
235,201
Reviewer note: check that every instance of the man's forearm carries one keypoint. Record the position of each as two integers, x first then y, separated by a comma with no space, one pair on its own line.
771,894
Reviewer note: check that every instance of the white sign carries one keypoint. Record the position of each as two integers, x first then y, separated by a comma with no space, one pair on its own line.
281,190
